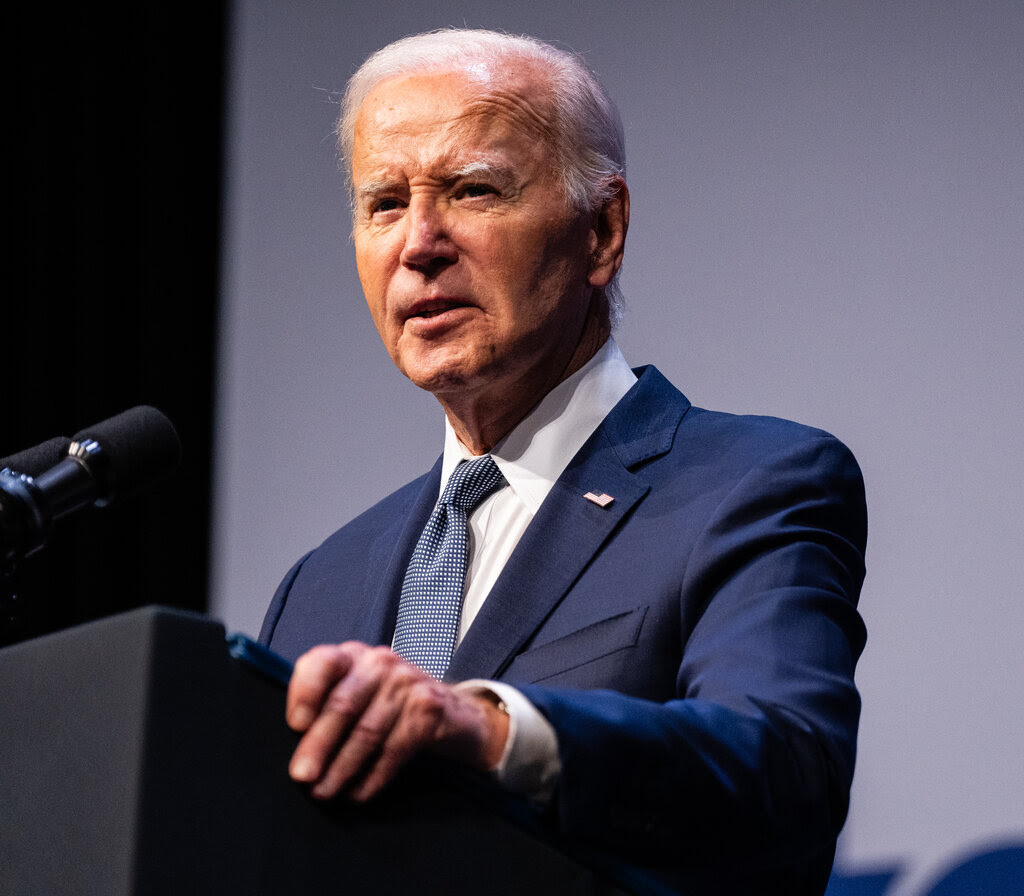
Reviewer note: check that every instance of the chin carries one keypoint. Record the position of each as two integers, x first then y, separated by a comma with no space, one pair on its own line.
452,379
441,370
437,379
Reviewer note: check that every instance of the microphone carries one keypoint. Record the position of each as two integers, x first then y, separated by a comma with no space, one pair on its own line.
33,461
109,461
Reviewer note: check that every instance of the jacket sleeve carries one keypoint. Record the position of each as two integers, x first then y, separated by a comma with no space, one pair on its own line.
754,758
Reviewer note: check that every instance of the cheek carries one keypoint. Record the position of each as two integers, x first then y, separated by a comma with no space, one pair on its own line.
520,268
374,284
559,250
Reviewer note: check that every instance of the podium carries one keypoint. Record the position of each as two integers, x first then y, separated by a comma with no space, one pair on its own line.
139,757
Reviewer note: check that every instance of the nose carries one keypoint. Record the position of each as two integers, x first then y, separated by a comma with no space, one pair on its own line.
428,247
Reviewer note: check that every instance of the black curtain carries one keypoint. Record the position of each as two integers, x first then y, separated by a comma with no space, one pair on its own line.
115,131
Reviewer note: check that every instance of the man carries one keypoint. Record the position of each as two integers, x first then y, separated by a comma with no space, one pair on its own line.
657,633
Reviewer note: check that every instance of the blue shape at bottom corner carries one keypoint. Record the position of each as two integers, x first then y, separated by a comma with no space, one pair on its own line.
994,871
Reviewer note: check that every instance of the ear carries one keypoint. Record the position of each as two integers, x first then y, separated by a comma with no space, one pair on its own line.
608,236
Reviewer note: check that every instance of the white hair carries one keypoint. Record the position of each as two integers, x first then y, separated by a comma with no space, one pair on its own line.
587,136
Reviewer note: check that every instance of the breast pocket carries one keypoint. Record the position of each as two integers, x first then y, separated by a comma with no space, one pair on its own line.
577,658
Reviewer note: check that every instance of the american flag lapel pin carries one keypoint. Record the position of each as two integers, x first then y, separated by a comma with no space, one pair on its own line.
599,498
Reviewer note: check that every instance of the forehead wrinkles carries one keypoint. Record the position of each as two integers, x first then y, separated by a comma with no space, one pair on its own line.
531,119
468,107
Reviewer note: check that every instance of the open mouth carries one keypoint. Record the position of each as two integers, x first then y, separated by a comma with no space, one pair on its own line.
434,308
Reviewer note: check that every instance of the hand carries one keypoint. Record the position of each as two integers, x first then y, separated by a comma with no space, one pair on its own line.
364,712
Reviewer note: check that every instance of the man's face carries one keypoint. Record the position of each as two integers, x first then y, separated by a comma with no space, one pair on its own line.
474,266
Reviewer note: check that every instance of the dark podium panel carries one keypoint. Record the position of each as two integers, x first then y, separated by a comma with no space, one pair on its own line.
138,756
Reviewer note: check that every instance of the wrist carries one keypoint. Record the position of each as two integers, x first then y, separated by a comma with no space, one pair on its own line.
496,727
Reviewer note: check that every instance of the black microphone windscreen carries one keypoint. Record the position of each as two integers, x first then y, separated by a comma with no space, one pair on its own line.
140,446
33,461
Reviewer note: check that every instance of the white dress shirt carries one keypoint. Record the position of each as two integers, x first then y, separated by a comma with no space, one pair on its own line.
531,458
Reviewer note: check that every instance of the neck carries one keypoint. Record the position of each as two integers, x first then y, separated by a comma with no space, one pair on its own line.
481,421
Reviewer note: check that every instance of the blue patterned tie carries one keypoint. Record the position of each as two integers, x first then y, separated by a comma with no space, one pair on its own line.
430,608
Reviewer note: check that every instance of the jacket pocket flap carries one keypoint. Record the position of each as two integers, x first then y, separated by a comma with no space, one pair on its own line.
582,646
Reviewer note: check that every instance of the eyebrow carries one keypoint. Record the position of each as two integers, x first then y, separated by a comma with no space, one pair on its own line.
375,187
484,170
481,169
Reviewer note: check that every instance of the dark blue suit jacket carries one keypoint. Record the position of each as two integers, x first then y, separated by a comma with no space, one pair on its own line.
693,643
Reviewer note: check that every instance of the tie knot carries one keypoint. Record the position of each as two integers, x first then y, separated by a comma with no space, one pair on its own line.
471,482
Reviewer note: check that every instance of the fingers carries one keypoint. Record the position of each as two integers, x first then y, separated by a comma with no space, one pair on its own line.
403,719
352,702
330,689
315,673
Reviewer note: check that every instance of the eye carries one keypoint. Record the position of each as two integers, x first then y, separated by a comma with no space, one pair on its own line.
476,191
386,205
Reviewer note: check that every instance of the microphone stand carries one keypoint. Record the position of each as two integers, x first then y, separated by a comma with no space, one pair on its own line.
11,605
26,524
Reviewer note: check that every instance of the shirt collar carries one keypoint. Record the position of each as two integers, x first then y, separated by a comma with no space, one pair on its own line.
535,453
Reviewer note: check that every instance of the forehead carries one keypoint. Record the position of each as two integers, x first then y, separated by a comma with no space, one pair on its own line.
479,110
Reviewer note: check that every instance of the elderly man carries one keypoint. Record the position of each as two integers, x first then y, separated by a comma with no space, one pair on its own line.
643,618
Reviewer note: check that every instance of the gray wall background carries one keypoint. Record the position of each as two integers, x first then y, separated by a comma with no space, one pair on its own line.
827,226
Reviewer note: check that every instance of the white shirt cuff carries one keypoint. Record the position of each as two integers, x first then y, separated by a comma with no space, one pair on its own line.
530,764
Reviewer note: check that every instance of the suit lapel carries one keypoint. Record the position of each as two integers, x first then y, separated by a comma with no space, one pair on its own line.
392,550
569,530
